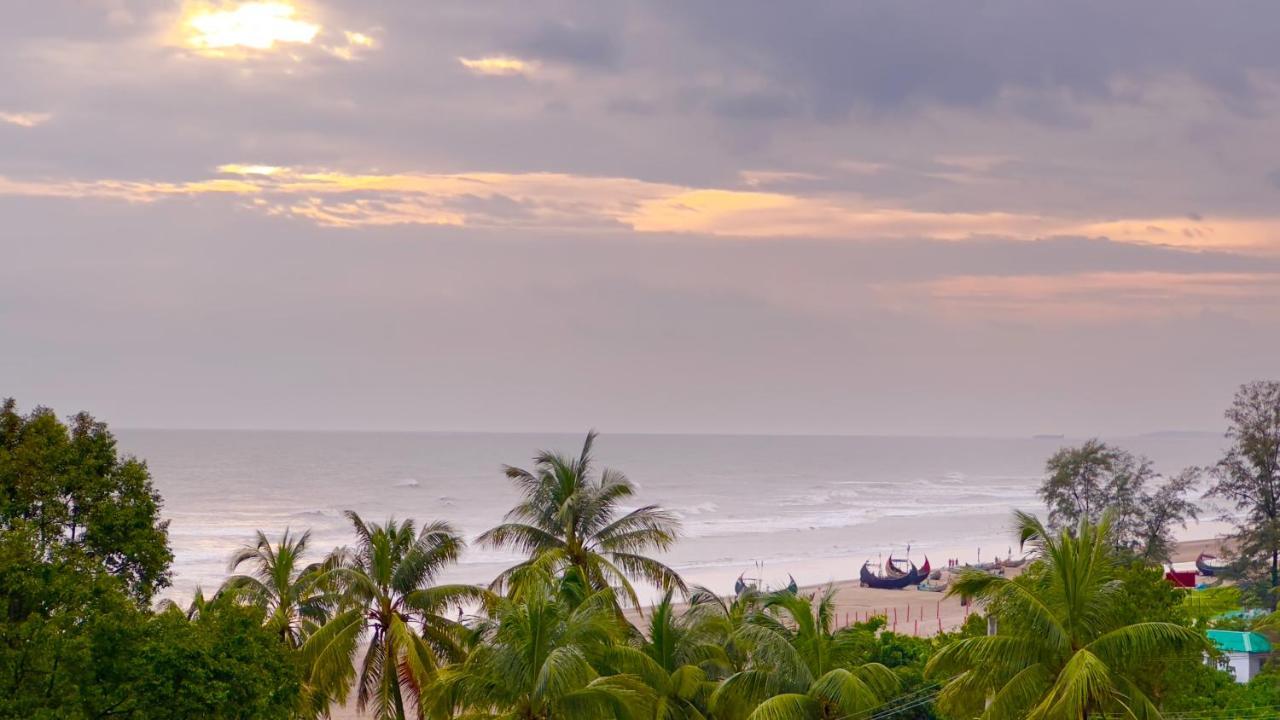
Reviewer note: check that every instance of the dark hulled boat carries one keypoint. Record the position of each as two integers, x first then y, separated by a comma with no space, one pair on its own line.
889,582
1209,564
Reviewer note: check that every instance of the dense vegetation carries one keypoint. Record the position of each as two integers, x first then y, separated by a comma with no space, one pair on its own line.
1090,629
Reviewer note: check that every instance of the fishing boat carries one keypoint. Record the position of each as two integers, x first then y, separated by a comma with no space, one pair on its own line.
891,569
1209,564
932,586
888,582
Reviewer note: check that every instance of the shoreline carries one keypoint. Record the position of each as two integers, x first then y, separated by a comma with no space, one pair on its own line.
921,613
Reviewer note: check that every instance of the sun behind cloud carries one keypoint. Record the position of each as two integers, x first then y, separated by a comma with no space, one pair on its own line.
252,25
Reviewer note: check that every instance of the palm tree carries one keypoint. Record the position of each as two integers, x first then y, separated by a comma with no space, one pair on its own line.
281,584
1062,650
678,658
199,603
539,658
801,668
569,519
385,592
722,617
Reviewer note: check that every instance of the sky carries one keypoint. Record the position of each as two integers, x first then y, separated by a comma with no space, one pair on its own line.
991,218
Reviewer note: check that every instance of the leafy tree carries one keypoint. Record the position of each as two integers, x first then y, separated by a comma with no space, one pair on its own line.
1249,475
569,519
540,658
1084,482
74,645
801,667
72,488
68,631
281,584
222,665
1064,649
385,588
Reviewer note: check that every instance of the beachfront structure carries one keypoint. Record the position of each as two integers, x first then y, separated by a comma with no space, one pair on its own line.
1246,652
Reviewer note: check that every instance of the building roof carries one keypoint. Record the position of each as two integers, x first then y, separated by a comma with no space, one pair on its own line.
1235,641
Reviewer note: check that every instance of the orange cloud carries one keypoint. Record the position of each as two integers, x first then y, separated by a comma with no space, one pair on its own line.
24,119
565,201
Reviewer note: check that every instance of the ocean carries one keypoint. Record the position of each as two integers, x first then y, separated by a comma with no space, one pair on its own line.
769,506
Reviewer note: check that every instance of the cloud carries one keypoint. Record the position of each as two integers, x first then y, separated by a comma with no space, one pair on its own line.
498,65
571,44
579,202
24,119
255,30
843,56
256,25
1097,297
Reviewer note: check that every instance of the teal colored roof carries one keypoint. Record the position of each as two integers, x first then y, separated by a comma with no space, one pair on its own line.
1235,641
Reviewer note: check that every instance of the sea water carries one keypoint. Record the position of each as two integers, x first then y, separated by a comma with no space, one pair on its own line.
770,506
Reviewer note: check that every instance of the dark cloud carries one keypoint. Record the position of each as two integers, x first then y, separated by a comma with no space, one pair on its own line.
562,42
893,56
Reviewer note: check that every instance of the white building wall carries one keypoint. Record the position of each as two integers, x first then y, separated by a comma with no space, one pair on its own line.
1245,666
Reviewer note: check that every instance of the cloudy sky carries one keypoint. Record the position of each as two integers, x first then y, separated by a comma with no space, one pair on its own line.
1000,217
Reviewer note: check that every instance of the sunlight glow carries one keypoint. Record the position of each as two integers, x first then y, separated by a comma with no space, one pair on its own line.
497,65
256,25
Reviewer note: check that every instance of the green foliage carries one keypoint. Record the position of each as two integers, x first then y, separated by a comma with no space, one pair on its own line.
1249,475
68,634
801,666
222,665
282,585
569,519
74,644
1087,628
385,594
1084,482
1066,645
69,485
542,657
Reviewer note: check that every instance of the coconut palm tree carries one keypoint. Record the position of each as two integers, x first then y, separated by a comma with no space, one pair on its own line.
281,584
722,617
678,658
540,658
569,518
385,594
199,603
801,668
1062,650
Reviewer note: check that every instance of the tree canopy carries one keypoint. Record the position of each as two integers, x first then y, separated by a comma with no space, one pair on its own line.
1249,476
1082,483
